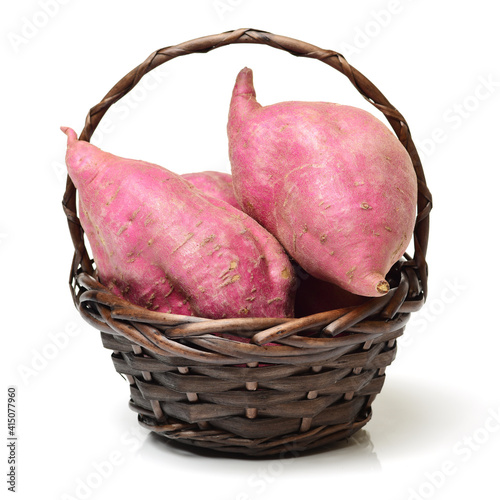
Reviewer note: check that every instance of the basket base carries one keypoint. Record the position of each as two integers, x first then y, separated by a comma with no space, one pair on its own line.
223,443
287,406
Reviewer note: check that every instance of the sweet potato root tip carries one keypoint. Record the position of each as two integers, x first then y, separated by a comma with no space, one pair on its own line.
244,83
70,133
383,287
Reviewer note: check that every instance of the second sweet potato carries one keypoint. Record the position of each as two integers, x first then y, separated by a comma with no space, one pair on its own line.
160,243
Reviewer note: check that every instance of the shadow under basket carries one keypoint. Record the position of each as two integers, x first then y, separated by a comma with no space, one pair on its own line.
254,386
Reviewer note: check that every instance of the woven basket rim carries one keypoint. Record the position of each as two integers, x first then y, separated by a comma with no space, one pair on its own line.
89,295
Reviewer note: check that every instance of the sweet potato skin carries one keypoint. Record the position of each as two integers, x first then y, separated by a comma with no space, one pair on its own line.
331,182
215,184
160,243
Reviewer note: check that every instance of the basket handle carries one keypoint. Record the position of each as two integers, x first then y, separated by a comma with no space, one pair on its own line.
297,48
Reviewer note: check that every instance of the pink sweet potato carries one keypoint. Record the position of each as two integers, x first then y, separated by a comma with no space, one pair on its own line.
160,243
331,182
214,183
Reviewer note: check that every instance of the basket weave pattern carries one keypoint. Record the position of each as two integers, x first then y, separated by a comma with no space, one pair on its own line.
257,386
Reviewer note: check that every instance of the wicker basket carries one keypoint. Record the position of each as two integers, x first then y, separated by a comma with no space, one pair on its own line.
293,384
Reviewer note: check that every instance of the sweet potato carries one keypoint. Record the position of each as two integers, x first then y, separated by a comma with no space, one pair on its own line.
214,183
160,243
331,182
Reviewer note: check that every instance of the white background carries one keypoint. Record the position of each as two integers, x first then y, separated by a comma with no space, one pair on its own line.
435,431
